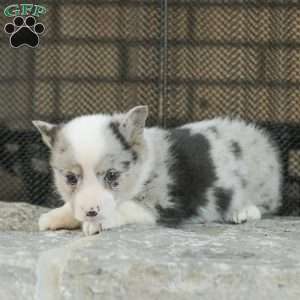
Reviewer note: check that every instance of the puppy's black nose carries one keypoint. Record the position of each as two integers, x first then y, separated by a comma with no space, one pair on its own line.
91,213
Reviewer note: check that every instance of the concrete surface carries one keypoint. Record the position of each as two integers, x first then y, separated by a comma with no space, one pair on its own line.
19,216
259,260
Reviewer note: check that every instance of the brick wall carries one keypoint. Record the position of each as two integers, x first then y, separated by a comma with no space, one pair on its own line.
238,60
198,59
103,56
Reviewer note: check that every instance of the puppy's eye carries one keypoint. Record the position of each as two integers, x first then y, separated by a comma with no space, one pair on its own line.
111,176
72,179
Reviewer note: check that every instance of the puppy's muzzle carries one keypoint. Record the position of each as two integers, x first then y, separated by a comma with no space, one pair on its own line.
92,212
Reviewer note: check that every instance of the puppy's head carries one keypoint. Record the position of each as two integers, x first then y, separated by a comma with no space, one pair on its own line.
96,159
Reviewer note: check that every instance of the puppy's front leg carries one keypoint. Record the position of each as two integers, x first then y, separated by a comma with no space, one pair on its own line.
90,228
59,218
129,212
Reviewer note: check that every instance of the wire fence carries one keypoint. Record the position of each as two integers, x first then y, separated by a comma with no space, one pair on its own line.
188,60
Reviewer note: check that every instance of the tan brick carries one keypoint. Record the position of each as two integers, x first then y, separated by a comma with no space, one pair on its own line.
188,104
90,21
273,67
176,105
292,105
140,22
240,24
110,21
85,60
291,65
47,60
257,24
85,98
282,64
7,60
144,62
15,64
293,25
89,60
15,104
217,101
294,163
133,94
213,63
178,22
47,21
273,104
218,23
255,104
266,24
43,100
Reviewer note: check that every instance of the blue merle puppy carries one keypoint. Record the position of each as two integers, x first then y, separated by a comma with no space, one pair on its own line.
110,170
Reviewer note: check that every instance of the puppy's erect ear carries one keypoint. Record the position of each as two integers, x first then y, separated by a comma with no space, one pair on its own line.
48,132
132,125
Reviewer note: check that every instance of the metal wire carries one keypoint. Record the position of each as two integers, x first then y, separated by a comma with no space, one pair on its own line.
188,60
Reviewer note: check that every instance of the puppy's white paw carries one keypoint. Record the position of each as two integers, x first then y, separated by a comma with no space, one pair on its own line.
111,223
89,228
249,213
253,213
239,217
46,222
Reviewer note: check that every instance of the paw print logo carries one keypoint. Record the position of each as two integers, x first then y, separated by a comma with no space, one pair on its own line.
24,32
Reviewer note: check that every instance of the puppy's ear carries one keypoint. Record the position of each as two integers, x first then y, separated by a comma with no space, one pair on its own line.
48,132
132,125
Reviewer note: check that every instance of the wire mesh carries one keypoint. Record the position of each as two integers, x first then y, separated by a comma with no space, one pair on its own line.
188,60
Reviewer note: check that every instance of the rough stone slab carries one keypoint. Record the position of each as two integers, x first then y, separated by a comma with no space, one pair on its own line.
259,260
19,216
19,252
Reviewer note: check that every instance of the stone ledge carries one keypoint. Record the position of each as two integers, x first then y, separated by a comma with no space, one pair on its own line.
259,260
19,252
19,216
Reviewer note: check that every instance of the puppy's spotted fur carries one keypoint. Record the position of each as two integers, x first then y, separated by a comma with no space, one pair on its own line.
112,171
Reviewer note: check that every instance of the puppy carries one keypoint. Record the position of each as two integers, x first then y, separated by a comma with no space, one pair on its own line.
111,171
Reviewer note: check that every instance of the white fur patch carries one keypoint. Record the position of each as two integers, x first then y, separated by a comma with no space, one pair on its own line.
86,137
90,228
